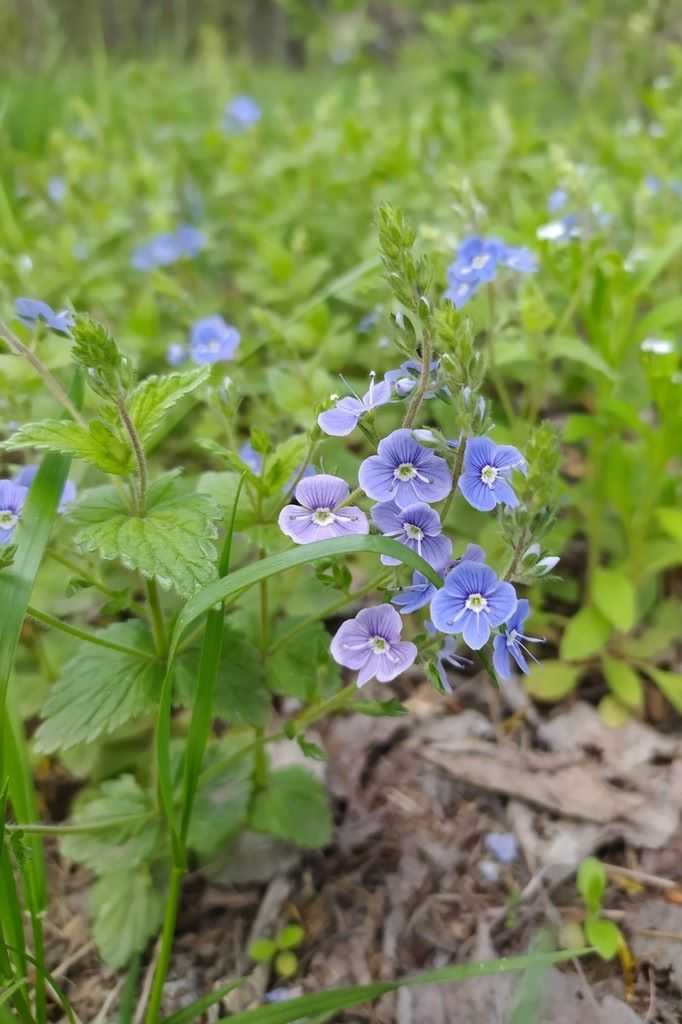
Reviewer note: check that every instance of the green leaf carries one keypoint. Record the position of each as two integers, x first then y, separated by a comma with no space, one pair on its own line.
284,461
286,964
578,351
591,882
222,488
604,935
291,936
127,910
221,803
551,680
262,950
670,683
100,689
311,750
293,667
624,682
121,845
99,443
671,521
172,542
586,633
612,712
294,807
151,400
242,579
336,999
379,708
614,595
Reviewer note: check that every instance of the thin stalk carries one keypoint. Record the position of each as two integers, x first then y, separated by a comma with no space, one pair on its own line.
83,574
158,624
423,385
138,451
167,936
302,468
81,634
37,828
497,378
326,612
456,470
51,382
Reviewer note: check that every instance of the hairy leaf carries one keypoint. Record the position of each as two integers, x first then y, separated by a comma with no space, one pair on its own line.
126,909
99,443
125,844
173,541
241,696
293,667
294,806
156,396
221,805
100,689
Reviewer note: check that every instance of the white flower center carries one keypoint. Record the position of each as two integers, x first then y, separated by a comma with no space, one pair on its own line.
8,519
489,475
212,346
476,603
479,262
323,517
405,471
379,645
412,531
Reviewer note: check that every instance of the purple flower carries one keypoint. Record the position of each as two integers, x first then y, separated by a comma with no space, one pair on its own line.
252,458
240,113
418,527
213,341
405,472
176,354
459,292
405,378
12,498
472,601
343,418
503,845
511,643
371,645
168,248
416,596
318,515
27,475
476,263
32,311
487,467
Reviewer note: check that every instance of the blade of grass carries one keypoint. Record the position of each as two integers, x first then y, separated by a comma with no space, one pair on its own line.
126,1008
47,977
199,1006
344,998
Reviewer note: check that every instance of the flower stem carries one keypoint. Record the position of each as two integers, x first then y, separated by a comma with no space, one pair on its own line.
50,380
158,624
456,470
167,936
82,634
423,385
138,451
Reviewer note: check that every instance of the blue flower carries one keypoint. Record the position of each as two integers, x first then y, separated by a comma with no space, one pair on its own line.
27,475
416,526
252,458
168,248
557,200
472,601
487,467
213,341
415,596
56,189
559,230
405,378
343,418
370,644
240,113
512,643
12,498
446,656
321,513
33,311
176,354
503,845
405,472
476,263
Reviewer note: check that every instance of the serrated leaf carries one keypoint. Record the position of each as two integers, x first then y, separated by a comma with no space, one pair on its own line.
670,683
155,397
222,488
614,595
221,803
551,680
294,806
604,935
172,542
586,633
100,689
123,845
127,910
99,443
624,682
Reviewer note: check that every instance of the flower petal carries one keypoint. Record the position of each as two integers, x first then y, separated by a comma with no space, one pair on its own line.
504,492
501,659
470,578
422,516
387,517
402,655
380,394
349,645
507,457
479,452
446,611
476,630
322,491
381,620
436,550
502,603
376,478
338,423
478,494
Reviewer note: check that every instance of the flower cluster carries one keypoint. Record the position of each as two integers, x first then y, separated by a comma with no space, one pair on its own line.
477,262
164,250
